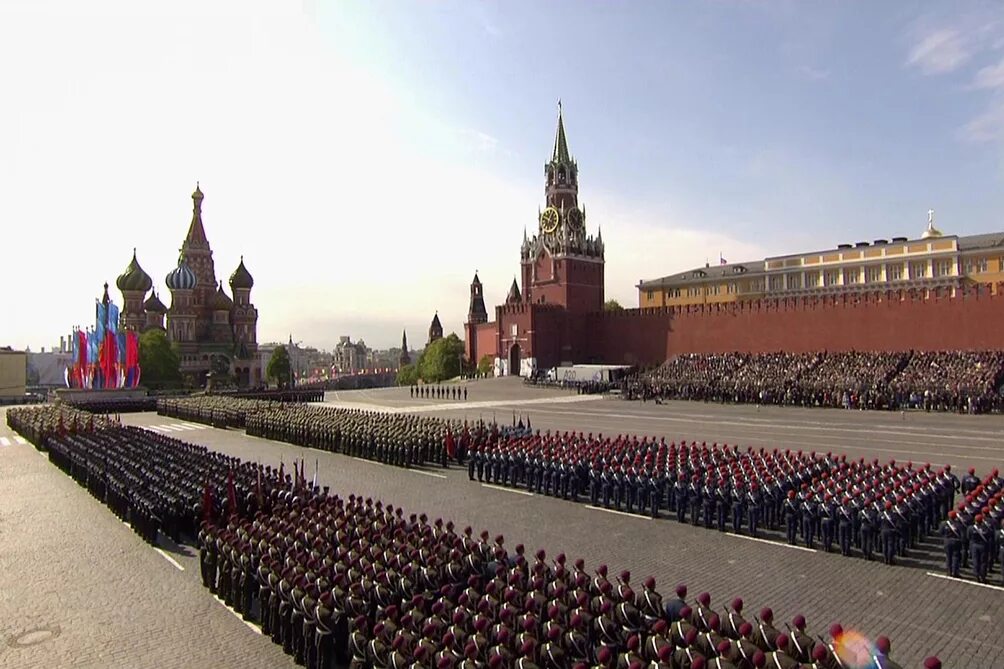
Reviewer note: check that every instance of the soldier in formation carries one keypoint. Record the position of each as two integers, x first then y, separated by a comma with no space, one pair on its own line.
353,581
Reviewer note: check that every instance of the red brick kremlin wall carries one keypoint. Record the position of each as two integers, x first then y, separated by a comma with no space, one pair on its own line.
896,320
485,335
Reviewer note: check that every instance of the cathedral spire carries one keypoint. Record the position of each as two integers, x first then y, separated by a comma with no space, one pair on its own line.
560,153
196,233
404,358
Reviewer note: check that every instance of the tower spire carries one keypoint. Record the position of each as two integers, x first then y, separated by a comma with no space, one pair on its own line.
404,358
476,312
196,233
560,152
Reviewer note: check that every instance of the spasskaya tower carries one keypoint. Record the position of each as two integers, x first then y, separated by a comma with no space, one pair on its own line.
561,263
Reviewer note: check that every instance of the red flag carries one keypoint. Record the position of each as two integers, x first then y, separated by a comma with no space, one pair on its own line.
231,494
112,374
207,503
258,493
451,447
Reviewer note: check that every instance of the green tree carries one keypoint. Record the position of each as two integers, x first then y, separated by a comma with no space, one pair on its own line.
160,366
612,305
407,375
486,365
278,367
441,359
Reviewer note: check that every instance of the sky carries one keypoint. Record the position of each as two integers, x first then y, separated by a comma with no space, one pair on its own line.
367,157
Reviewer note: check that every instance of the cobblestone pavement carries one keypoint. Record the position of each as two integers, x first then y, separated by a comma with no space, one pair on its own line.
922,614
962,441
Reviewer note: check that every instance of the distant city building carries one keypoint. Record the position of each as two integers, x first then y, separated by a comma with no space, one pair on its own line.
352,357
13,370
389,359
931,261
211,330
48,368
306,363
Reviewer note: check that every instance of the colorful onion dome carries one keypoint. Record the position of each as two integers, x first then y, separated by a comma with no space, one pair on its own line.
222,301
134,278
154,305
241,278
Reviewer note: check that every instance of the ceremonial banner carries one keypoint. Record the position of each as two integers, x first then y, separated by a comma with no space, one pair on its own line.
104,357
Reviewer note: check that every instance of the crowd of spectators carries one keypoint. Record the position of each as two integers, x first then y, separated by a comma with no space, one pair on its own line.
960,381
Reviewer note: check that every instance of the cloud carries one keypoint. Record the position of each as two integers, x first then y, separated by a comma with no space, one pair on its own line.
939,52
479,141
991,76
987,127
813,73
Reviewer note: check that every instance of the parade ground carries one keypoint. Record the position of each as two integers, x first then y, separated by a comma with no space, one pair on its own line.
80,589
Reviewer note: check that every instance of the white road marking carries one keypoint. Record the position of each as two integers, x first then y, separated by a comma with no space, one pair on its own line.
809,426
21,440
416,471
413,471
620,513
195,426
963,580
4,441
454,405
170,559
251,626
505,489
768,541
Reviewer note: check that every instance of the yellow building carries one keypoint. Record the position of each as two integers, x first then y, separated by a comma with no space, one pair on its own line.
934,260
13,370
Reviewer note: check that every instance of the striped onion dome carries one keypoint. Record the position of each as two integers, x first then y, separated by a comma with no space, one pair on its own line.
181,277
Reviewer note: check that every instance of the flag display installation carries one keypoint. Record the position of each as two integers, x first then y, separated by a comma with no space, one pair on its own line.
104,356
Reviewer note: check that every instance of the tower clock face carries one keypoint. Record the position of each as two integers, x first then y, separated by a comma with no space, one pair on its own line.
549,220
573,219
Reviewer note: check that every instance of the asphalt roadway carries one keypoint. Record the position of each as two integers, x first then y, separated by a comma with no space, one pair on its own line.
78,588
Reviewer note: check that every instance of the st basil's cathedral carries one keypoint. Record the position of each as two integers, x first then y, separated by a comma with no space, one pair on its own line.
211,331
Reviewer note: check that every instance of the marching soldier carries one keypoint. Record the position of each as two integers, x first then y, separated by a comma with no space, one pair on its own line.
951,530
